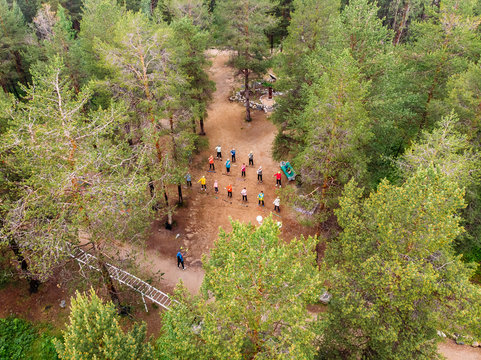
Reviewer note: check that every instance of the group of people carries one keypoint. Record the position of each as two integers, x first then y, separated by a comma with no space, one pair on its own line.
260,196
203,184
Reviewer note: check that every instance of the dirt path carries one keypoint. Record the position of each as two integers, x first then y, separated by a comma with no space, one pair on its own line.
198,222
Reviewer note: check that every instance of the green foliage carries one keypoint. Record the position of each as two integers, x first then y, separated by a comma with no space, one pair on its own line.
261,286
393,274
71,176
336,129
15,41
20,340
311,27
446,149
16,336
94,332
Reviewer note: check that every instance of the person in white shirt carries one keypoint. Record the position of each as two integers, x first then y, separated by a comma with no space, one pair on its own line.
219,153
244,194
277,203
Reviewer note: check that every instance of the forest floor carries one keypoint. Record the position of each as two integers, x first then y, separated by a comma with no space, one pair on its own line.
198,221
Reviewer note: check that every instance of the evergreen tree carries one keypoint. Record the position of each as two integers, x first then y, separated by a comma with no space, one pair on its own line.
261,286
191,45
393,274
76,176
311,27
241,27
440,47
15,41
337,130
94,332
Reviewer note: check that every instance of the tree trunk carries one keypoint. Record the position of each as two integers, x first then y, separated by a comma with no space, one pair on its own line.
201,123
179,189
402,25
194,127
33,283
168,224
107,279
174,145
246,94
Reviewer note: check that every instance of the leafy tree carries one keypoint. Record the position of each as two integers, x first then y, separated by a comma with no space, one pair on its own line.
147,78
196,10
446,149
261,286
75,175
311,27
192,43
14,42
464,95
94,332
393,274
440,47
337,129
241,27
99,18
397,14
365,35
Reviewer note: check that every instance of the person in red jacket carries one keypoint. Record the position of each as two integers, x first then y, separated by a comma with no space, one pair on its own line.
278,177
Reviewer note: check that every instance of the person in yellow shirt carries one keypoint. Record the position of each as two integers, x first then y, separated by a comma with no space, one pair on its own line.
202,182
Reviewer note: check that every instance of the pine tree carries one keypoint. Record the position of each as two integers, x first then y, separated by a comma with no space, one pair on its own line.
14,42
76,176
261,286
337,130
241,27
94,332
311,28
393,274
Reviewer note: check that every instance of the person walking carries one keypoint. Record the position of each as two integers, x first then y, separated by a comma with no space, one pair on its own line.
202,182
216,187
259,174
261,198
180,260
229,190
278,177
251,158
188,179
232,152
227,166
211,163
219,153
277,203
244,194
243,170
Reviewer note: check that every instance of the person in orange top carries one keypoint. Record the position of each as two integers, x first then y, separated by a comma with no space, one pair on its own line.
211,163
229,190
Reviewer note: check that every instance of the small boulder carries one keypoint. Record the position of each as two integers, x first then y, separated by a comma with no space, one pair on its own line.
63,304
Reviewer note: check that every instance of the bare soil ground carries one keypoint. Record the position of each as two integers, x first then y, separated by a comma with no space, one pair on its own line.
198,221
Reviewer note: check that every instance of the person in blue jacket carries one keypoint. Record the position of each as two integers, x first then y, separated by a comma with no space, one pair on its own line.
232,152
180,260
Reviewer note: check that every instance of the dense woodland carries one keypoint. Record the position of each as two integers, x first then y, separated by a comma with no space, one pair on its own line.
102,111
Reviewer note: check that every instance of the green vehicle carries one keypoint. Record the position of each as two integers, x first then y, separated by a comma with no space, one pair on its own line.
288,171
